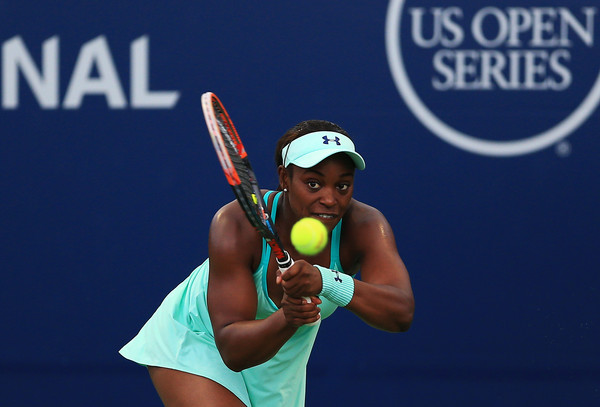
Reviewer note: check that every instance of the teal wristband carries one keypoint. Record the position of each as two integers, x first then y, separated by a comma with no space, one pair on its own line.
337,287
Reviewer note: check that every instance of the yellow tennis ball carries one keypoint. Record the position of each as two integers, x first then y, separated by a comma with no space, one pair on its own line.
309,236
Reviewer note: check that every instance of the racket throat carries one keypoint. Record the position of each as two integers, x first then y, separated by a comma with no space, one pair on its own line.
284,260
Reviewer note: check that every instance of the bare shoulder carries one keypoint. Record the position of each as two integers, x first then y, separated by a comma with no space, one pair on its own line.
228,216
231,234
366,231
362,218
232,219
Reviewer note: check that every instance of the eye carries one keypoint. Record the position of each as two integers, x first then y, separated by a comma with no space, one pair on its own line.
343,187
313,184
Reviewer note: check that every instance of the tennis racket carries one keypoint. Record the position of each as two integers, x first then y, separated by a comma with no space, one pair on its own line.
238,171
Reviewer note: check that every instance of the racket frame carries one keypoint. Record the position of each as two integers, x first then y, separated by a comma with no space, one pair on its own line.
241,178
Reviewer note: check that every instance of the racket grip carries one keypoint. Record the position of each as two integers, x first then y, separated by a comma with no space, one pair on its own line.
284,265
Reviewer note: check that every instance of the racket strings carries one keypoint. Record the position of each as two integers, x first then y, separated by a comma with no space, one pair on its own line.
245,177
226,127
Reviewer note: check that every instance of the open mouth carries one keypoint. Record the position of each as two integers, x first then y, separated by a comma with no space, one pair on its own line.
325,216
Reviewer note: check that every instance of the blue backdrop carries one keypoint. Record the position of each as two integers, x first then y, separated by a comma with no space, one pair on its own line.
479,126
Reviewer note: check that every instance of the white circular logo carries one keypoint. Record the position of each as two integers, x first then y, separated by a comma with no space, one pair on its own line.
460,139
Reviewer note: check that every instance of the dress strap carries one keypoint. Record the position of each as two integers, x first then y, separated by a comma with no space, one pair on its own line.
266,249
275,201
335,262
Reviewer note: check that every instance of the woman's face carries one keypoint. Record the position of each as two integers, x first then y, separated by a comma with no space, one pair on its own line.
323,191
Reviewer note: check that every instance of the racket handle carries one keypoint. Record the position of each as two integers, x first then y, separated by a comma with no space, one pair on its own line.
284,265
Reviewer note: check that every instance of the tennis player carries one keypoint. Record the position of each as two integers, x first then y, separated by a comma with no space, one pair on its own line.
237,332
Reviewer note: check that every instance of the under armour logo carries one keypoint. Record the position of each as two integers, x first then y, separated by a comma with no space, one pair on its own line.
326,140
337,276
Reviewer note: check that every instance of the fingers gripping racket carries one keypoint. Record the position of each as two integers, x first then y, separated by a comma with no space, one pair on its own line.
238,171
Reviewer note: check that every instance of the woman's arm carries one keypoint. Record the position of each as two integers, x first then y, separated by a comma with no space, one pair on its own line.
383,297
232,299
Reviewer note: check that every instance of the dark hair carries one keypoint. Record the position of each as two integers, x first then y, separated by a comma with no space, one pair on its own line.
302,128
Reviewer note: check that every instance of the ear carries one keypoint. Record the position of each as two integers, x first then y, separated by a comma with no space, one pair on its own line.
283,177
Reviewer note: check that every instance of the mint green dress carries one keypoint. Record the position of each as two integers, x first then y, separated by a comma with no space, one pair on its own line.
179,336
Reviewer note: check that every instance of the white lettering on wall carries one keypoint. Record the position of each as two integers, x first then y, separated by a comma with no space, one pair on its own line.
94,56
526,48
